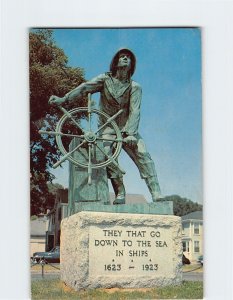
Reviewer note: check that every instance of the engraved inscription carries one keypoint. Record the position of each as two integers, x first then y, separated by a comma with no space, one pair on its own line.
129,251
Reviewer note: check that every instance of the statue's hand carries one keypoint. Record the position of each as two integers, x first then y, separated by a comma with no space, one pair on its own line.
130,140
56,100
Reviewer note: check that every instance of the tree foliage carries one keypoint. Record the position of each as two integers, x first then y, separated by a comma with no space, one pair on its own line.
182,206
53,187
49,75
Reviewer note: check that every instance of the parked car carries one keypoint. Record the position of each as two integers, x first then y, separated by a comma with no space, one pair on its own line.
52,256
185,260
200,260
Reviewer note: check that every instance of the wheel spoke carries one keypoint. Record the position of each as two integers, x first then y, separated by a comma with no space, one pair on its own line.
71,117
89,170
67,154
89,111
109,120
109,139
60,133
113,161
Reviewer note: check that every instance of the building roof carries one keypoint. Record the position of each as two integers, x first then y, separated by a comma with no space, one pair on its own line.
38,227
62,195
130,198
196,215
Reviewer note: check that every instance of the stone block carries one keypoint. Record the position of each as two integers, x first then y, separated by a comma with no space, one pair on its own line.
106,250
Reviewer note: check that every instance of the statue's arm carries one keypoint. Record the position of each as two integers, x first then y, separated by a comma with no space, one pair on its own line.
131,126
92,86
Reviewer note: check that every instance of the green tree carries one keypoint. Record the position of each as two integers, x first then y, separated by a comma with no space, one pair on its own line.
49,75
53,187
182,206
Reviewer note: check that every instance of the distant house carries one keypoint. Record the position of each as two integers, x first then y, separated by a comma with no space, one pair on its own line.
59,212
192,235
38,230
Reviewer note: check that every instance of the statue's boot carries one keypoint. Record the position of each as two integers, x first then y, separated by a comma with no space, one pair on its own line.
119,189
153,186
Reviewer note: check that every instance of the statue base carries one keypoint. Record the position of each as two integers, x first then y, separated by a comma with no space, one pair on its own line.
107,250
155,208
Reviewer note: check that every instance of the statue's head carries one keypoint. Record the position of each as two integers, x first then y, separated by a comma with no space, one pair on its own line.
118,60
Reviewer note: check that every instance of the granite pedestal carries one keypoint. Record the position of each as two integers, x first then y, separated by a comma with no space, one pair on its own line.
126,250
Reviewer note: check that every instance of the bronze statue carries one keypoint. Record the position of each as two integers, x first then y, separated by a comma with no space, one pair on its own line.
119,91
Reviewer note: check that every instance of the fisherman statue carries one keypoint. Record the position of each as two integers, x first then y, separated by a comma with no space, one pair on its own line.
119,92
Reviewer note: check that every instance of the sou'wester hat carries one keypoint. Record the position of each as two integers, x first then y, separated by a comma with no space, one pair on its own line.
114,62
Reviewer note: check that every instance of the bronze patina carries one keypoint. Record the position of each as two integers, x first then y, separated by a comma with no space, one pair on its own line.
120,98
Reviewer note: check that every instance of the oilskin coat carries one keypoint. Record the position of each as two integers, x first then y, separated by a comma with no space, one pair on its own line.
112,99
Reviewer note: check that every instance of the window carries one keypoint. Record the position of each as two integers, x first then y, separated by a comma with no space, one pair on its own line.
185,228
185,246
196,228
196,246
64,211
182,229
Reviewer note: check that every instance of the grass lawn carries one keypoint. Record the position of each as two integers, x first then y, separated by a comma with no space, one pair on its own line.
55,289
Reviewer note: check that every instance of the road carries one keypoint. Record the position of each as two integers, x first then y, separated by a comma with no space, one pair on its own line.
193,276
189,276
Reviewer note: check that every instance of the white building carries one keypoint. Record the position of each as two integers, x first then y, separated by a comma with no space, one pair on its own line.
192,235
38,230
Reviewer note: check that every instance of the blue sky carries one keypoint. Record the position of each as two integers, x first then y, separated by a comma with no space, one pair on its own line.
169,70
